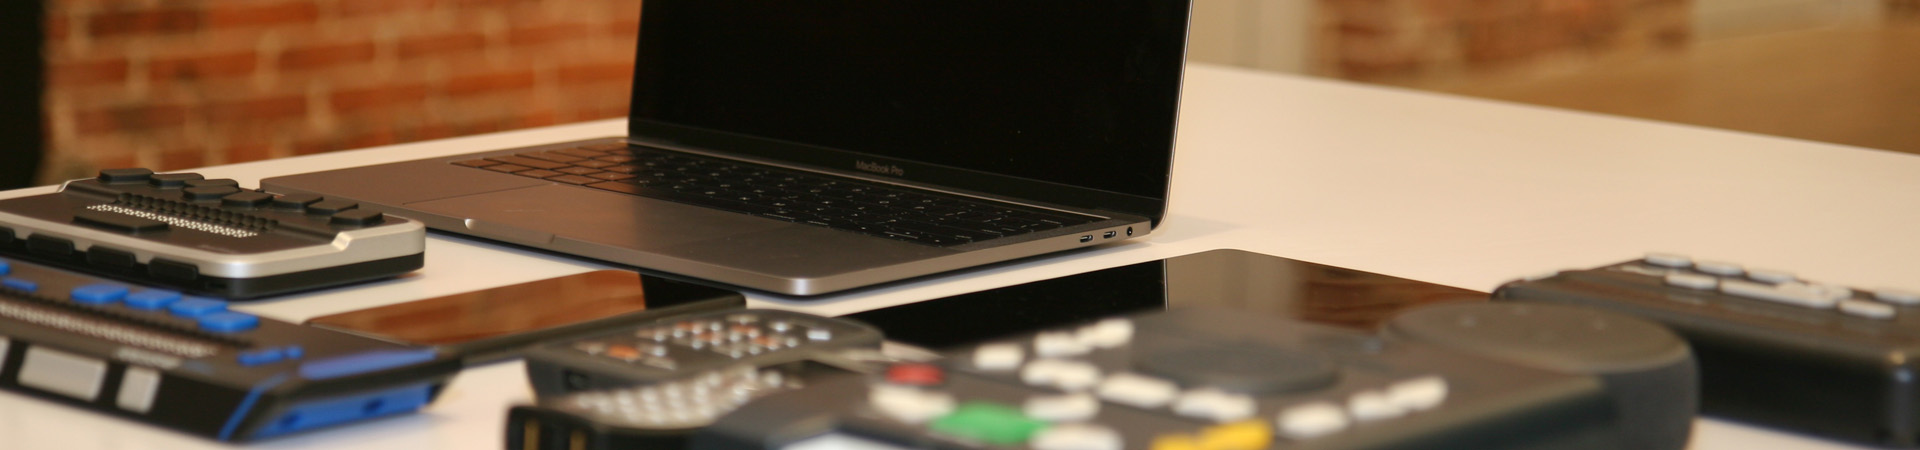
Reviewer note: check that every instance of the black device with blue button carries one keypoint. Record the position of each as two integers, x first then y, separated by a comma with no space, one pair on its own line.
1774,348
207,236
188,363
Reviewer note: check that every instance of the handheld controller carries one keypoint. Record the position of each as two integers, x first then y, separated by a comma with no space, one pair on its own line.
189,364
207,236
1774,349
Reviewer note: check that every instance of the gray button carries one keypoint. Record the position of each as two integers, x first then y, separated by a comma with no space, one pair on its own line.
1798,294
1720,268
1692,281
1668,260
1886,295
63,373
1868,309
137,387
1771,276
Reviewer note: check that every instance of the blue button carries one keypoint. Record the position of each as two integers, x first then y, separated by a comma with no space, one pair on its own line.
193,307
19,284
151,300
295,352
5,268
99,294
259,357
229,322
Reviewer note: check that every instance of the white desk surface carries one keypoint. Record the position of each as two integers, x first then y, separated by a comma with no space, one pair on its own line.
1457,191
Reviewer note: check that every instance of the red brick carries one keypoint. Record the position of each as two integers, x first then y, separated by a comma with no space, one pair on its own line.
326,55
621,71
252,13
130,118
247,151
203,66
181,159
164,21
489,82
352,8
258,109
87,73
545,34
58,27
353,100
418,46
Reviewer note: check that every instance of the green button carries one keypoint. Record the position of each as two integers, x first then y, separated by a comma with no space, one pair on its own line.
989,423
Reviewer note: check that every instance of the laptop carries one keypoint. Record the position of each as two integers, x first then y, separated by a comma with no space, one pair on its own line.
808,147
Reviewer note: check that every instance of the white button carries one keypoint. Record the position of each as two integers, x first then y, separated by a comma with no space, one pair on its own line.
908,404
1138,390
1668,260
819,334
1644,270
1108,333
1063,374
1868,309
1418,394
1719,268
1058,344
1771,276
1062,408
1214,404
1798,294
1540,276
1368,406
1312,420
137,387
62,373
1077,436
1692,281
998,357
1885,295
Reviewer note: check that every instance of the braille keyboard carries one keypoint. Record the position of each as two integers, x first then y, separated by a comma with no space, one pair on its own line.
189,363
789,195
207,236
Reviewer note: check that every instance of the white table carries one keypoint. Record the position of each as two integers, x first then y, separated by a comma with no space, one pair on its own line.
1437,188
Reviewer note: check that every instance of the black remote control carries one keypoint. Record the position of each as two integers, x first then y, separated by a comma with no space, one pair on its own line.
1774,349
189,364
1478,375
673,348
207,237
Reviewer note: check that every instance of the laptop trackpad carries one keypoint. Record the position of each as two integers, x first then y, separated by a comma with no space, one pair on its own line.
527,215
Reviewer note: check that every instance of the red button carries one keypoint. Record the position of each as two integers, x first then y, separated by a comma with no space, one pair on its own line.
916,375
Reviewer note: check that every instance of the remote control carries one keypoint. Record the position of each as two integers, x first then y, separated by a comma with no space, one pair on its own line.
1774,349
1471,375
672,348
207,237
189,364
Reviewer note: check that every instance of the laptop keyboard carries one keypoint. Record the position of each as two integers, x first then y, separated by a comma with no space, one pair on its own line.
839,203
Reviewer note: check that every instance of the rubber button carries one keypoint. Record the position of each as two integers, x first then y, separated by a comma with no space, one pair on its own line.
331,206
5,267
915,374
261,357
229,322
172,270
100,255
216,182
98,294
246,199
209,192
118,222
990,423
172,180
122,176
19,284
195,307
151,300
998,357
50,246
359,218
295,201
1668,260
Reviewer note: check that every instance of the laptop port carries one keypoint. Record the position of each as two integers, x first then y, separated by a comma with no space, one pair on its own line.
1110,235
1086,238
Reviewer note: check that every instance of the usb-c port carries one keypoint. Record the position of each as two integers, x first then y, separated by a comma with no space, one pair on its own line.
1110,235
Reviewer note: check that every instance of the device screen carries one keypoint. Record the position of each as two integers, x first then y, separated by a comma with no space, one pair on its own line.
1233,279
523,311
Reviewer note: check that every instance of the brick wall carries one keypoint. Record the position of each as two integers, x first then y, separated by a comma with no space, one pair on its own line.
175,84
1433,42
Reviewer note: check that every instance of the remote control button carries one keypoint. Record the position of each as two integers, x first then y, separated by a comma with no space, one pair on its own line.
125,176
623,353
1063,374
216,182
359,218
591,347
909,404
137,388
1077,436
1058,344
998,357
1668,260
98,294
780,325
1692,281
1062,408
1107,333
228,322
1797,294
261,357
743,318
19,284
1771,276
5,268
1866,308
1368,406
819,334
916,374
117,222
1137,390
50,246
1312,420
172,180
246,199
1894,296
101,255
295,201
1418,394
988,423
327,207
151,300
195,307
1215,405
1721,268
209,192
1249,368
172,270
1249,435
295,352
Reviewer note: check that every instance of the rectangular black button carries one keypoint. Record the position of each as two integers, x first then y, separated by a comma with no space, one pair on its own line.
118,222
102,256
50,246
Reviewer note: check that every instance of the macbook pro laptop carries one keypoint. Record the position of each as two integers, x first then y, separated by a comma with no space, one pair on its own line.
809,146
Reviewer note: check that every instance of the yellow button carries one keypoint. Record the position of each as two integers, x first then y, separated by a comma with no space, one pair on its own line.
1175,442
1248,435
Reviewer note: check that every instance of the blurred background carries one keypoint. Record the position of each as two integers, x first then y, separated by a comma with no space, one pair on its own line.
177,84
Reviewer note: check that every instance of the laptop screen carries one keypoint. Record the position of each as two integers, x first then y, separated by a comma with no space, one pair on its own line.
1074,92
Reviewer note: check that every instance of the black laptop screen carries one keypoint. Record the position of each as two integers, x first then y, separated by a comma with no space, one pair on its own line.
1075,92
